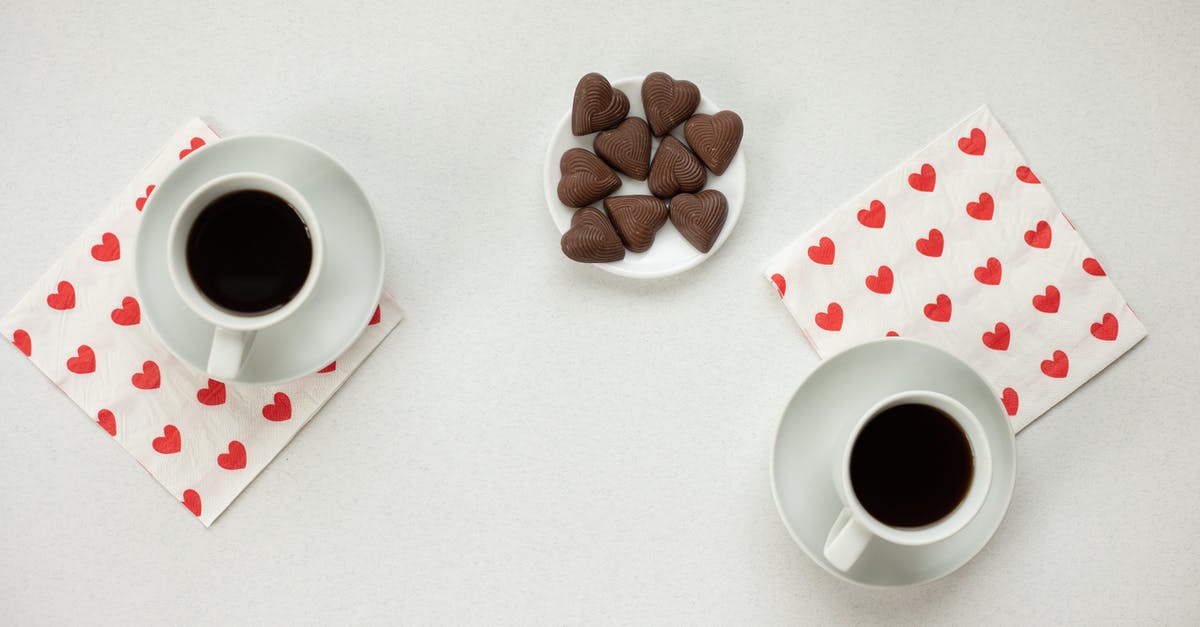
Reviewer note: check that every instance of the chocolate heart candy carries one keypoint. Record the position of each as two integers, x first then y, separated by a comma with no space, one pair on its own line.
637,219
585,178
700,217
675,169
668,101
592,238
597,105
626,148
714,138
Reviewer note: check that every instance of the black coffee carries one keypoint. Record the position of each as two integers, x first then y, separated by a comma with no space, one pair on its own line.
249,252
911,465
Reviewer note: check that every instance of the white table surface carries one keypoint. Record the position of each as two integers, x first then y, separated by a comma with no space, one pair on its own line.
542,442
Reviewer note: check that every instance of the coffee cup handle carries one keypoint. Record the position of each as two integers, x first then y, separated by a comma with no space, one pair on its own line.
229,349
846,541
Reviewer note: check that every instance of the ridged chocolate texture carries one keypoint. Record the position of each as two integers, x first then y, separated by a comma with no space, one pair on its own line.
637,219
714,138
585,178
668,102
675,169
700,217
592,238
597,105
626,148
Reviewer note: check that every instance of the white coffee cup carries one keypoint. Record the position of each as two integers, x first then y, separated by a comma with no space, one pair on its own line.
854,527
234,332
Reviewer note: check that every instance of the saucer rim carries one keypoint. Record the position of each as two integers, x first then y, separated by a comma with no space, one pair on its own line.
1010,482
376,290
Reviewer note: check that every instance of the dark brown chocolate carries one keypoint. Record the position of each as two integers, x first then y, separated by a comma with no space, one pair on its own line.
668,102
597,105
637,219
626,148
592,238
714,138
700,217
675,169
585,178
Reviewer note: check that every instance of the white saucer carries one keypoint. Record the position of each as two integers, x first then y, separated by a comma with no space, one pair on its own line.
345,297
670,254
840,390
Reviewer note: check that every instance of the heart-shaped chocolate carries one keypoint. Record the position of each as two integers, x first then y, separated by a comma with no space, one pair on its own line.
700,217
626,148
714,138
668,102
637,219
675,169
597,105
592,238
585,178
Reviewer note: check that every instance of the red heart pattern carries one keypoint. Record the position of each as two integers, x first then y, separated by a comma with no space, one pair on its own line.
109,248
823,252
881,281
925,180
998,338
874,217
84,361
193,145
140,203
213,394
948,248
939,310
235,459
1106,329
1057,366
974,144
1039,236
1047,302
778,280
191,500
23,342
983,209
128,314
83,326
990,272
64,298
107,421
931,246
148,378
280,410
831,318
170,442
1010,400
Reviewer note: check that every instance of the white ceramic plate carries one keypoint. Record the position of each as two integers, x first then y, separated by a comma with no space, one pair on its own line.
670,254
840,390
345,296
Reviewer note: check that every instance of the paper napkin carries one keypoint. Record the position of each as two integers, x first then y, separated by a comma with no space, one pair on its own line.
962,246
81,324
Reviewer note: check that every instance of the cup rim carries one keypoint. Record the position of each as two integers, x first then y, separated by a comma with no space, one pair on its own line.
967,508
181,278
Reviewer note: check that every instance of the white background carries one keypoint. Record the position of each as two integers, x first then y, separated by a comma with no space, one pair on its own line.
542,442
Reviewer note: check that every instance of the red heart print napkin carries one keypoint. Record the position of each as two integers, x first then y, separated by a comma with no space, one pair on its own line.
204,440
962,246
